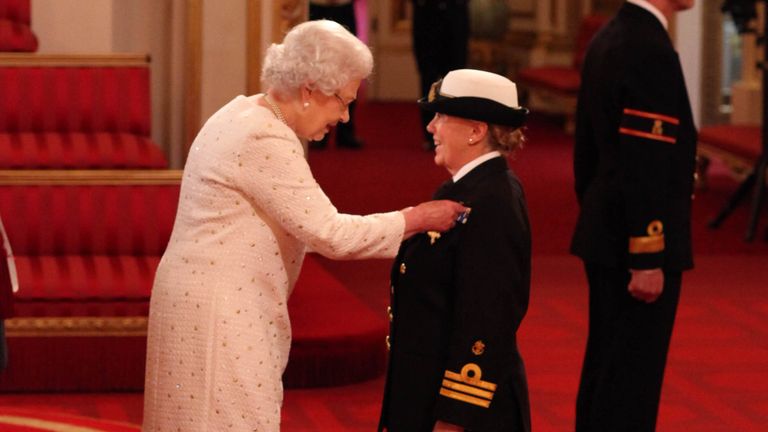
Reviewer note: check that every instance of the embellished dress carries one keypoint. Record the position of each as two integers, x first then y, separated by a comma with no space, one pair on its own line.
219,332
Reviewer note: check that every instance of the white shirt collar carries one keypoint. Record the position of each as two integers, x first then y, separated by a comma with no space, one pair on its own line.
652,9
474,163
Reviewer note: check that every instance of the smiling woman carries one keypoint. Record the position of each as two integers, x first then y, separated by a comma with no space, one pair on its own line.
459,297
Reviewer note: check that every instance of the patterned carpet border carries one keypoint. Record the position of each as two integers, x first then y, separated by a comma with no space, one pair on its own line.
16,420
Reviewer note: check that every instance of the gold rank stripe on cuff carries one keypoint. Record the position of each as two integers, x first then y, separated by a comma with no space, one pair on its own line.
465,398
635,121
452,385
471,381
646,244
468,388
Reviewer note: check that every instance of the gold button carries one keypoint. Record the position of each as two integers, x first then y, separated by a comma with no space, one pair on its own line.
388,344
402,268
478,348
389,313
655,228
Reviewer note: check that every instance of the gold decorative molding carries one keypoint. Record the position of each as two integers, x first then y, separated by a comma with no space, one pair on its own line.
74,60
29,422
521,39
562,43
76,326
89,177
285,15
193,73
401,14
253,47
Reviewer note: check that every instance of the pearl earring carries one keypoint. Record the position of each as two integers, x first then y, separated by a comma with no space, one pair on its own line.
306,104
470,140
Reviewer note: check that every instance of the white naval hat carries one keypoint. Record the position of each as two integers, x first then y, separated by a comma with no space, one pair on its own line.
476,95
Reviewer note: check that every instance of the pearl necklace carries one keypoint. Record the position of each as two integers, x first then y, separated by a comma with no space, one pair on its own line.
275,109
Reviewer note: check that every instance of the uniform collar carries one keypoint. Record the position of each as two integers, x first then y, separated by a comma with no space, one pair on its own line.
474,163
652,9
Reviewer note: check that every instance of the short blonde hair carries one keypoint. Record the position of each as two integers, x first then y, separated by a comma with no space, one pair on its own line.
322,54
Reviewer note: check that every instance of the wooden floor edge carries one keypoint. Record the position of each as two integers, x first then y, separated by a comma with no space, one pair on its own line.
74,60
76,326
90,177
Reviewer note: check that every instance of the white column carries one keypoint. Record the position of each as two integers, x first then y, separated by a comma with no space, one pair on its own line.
688,37
746,94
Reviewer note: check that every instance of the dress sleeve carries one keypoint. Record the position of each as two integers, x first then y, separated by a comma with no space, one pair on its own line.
276,177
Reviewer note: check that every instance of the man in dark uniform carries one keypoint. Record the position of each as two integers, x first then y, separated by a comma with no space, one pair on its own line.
458,297
634,162
440,44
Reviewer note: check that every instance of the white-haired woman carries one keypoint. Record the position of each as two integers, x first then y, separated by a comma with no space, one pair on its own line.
219,332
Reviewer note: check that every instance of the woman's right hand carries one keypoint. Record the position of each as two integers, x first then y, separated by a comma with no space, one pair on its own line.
438,215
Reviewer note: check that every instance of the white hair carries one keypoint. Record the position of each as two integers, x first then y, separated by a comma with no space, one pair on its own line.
322,54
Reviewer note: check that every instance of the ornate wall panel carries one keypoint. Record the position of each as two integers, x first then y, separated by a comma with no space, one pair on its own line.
711,78
395,76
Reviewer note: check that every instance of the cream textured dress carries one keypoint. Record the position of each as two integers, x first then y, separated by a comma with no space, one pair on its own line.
219,332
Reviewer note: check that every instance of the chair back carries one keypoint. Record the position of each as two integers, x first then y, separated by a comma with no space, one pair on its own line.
588,28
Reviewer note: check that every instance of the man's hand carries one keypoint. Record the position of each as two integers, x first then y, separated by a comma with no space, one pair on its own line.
646,285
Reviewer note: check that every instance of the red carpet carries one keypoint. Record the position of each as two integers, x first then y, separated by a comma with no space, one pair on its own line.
717,378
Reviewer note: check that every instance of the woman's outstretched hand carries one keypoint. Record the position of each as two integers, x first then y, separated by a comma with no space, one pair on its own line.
439,215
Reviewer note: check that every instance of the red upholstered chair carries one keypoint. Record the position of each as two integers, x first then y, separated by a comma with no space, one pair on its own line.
555,87
76,112
737,146
16,10
85,246
336,339
15,31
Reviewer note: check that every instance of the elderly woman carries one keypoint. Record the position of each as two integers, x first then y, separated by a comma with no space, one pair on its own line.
219,332
459,297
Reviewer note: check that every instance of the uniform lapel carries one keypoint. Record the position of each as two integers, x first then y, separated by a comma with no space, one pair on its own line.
443,192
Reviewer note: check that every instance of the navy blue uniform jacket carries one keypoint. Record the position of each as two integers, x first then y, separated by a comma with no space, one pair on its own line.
457,302
635,149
